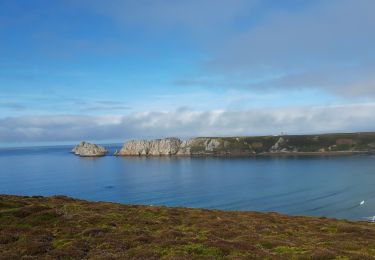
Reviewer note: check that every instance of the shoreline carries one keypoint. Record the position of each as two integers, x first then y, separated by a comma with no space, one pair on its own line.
266,154
253,146
63,227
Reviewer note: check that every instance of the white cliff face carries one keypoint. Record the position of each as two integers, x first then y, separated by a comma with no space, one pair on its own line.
211,144
185,147
281,146
170,146
277,146
167,146
135,147
174,146
200,146
85,149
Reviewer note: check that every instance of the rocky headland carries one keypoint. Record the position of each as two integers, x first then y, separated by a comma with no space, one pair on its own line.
325,144
85,149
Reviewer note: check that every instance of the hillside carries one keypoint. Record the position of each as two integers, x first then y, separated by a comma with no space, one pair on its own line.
64,228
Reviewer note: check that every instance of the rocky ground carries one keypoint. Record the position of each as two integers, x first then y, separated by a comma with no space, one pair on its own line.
65,228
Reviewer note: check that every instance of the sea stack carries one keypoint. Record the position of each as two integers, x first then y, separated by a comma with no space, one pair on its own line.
85,149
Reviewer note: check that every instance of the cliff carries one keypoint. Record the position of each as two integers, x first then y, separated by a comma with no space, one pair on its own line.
85,149
65,228
167,146
330,144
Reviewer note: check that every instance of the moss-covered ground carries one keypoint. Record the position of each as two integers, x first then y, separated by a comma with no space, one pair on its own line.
64,228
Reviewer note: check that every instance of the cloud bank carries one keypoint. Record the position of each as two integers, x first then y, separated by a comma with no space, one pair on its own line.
188,123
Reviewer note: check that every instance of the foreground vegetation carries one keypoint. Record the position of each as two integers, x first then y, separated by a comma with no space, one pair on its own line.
64,228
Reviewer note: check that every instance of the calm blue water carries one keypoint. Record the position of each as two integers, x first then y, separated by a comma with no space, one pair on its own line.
331,187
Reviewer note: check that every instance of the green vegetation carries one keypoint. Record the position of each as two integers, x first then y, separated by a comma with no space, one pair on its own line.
64,228
330,144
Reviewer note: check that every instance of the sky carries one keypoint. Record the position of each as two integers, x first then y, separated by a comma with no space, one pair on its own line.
108,71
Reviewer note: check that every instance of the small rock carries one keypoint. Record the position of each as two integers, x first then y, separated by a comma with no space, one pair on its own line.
86,149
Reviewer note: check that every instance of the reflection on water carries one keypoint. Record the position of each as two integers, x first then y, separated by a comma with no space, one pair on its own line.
332,187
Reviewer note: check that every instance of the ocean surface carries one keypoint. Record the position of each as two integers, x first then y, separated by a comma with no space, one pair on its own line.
316,186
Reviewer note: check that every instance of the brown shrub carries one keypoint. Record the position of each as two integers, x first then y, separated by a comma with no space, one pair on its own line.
6,237
144,239
34,248
94,232
323,254
345,141
227,246
257,145
29,210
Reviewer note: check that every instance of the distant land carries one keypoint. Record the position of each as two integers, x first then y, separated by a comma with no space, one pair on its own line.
321,144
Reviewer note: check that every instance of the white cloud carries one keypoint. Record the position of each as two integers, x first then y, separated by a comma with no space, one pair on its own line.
189,123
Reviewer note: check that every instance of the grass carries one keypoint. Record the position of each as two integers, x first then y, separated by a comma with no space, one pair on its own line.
260,145
64,228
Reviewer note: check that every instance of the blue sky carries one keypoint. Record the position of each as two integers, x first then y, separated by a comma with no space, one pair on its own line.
119,69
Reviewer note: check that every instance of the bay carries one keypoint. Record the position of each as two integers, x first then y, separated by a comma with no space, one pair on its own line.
315,186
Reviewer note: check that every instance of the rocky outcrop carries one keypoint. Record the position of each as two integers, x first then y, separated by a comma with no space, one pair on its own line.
277,147
168,146
158,147
135,147
185,148
281,146
86,149
174,146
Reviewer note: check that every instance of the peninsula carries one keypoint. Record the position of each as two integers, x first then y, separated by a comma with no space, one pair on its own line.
322,144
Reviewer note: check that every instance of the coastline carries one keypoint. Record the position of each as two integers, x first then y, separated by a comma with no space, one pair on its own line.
63,227
266,154
254,146
312,154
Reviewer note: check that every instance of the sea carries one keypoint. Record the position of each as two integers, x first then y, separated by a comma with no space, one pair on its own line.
333,187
